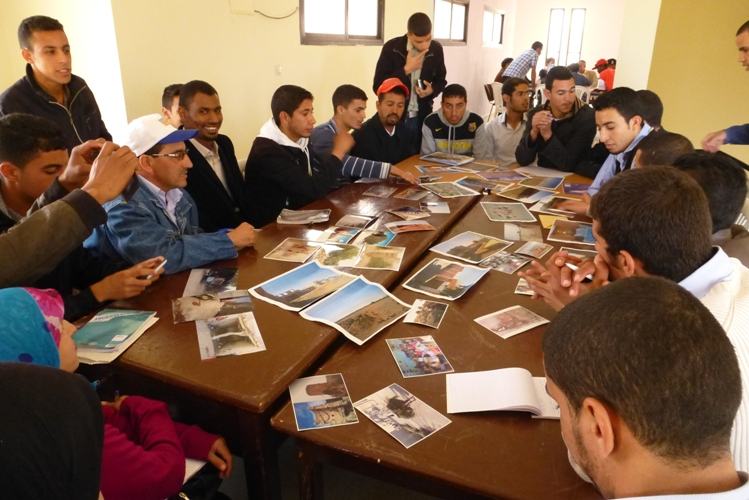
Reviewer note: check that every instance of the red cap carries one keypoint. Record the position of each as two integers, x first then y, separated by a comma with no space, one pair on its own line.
601,62
390,84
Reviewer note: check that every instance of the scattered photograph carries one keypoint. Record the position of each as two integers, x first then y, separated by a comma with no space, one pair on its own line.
337,235
380,191
401,414
570,231
321,401
293,250
410,213
355,221
429,178
359,310
505,262
229,336
511,321
380,258
553,206
303,216
444,279
412,194
374,237
337,254
210,305
575,188
419,356
583,254
204,281
483,167
426,312
534,249
526,194
432,169
523,232
523,288
447,158
435,207
550,183
406,226
302,286
471,247
547,220
504,212
449,189
478,184
509,175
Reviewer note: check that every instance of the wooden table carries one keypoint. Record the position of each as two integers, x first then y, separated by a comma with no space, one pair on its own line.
479,455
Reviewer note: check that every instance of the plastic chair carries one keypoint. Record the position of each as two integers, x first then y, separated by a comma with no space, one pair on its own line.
583,93
489,90
540,96
499,103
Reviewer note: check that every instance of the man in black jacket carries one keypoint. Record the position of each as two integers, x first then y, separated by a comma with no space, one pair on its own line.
418,62
215,181
49,89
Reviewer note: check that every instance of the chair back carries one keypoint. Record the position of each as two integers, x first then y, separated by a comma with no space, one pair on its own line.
583,93
489,92
498,101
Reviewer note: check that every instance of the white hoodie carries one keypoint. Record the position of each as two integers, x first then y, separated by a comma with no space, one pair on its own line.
271,131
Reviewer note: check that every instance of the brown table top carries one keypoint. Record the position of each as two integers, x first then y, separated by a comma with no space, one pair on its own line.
496,454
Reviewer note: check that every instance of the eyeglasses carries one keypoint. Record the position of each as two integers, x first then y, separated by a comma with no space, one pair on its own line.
179,155
523,94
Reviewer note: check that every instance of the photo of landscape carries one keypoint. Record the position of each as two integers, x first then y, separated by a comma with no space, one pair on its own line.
471,247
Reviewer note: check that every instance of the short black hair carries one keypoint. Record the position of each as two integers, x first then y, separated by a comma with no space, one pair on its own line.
550,60
723,181
537,45
574,68
542,73
557,73
743,28
660,216
661,148
623,99
344,94
655,355
511,84
32,24
170,92
652,107
394,90
506,62
287,98
23,136
419,24
188,91
455,90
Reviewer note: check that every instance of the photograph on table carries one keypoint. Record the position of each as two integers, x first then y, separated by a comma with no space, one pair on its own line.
303,216
433,169
577,252
547,220
511,321
412,194
509,175
359,310
575,188
293,250
479,184
477,166
534,249
419,356
550,183
471,247
380,258
355,221
229,336
553,206
435,207
525,194
202,281
380,191
449,189
426,312
302,286
429,178
447,158
401,414
378,237
409,213
337,235
523,232
507,212
570,231
444,279
337,254
321,401
406,226
210,305
522,288
507,263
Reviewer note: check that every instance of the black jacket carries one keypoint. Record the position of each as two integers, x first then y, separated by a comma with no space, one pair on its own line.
374,143
79,122
277,178
216,209
393,59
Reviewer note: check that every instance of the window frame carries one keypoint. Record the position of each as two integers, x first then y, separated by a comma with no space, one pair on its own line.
582,34
557,57
345,39
494,13
451,41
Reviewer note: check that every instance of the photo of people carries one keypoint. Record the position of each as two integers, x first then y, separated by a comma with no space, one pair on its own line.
419,356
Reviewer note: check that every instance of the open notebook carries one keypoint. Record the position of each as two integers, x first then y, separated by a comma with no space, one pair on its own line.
509,389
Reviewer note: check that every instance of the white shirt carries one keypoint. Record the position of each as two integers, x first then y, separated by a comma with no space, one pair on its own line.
498,140
168,199
740,493
214,160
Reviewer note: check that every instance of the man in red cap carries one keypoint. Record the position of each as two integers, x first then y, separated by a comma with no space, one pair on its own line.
383,137
605,73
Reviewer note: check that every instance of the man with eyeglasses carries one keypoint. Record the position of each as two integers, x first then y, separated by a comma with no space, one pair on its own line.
161,218
559,133
499,138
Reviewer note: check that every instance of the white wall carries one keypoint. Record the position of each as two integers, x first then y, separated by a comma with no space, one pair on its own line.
637,41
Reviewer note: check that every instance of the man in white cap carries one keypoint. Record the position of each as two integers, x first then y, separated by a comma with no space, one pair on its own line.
161,218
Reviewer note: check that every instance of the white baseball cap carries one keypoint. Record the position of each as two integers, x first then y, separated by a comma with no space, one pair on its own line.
145,132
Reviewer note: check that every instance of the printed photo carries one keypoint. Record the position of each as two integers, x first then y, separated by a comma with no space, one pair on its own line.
523,232
525,194
509,175
483,167
575,188
444,279
301,286
431,169
505,262
522,288
547,220
570,231
337,254
355,221
449,189
203,281
426,312
303,216
293,250
374,237
419,356
583,254
435,207
471,247
337,235
503,212
359,310
381,258
447,158
210,305
229,336
401,414
477,183
410,213
406,226
550,183
380,191
553,206
429,178
511,321
321,401
534,249
412,194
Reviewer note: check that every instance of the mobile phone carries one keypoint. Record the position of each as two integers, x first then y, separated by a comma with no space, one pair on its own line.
156,270
420,83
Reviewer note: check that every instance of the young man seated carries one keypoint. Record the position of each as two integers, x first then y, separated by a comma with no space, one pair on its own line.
648,386
215,182
451,129
661,148
170,105
384,137
656,221
161,217
498,139
652,108
349,112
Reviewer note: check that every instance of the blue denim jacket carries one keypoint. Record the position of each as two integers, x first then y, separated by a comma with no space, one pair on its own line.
140,229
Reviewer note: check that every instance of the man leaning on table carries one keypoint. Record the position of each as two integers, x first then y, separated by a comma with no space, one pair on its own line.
161,218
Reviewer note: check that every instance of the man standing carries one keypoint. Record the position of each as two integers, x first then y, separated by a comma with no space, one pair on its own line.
527,60
501,136
589,74
49,89
738,134
450,129
215,183
559,133
418,62
170,104
605,73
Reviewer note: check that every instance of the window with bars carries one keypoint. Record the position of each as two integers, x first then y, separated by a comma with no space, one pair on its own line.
341,22
493,27
450,21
